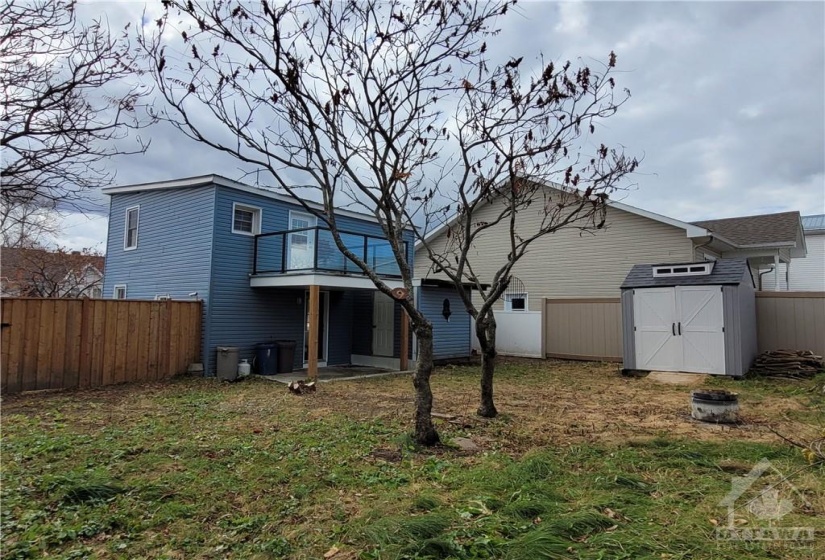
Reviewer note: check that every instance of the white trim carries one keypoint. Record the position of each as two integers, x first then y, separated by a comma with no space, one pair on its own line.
117,287
324,280
257,218
508,304
376,361
126,228
691,230
206,180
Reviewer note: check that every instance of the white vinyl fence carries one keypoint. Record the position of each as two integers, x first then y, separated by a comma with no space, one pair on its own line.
518,333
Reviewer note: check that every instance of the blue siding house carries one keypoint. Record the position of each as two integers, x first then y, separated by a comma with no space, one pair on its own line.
252,256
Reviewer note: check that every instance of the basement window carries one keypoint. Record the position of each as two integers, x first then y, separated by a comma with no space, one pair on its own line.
690,269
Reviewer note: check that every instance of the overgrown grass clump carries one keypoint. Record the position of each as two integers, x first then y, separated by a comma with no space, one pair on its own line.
196,469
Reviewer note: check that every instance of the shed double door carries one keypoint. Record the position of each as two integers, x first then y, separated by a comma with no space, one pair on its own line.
680,329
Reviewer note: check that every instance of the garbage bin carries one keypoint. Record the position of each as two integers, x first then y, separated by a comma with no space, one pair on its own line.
266,358
227,363
286,355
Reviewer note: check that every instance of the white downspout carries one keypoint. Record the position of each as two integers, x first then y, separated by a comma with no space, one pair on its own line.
776,272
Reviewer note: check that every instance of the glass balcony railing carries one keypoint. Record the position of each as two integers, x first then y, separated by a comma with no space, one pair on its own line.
314,249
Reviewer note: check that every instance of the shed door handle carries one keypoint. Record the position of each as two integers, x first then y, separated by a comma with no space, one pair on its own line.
673,328
680,328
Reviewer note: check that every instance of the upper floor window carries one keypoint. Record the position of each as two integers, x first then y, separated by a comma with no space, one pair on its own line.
130,235
246,219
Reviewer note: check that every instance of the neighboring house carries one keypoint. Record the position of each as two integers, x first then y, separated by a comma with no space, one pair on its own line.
768,241
252,256
583,267
571,264
808,274
32,272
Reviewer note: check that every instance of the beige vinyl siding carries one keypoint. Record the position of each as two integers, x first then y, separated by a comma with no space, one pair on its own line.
570,264
808,273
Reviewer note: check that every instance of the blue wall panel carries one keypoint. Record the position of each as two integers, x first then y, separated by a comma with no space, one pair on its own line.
174,248
451,339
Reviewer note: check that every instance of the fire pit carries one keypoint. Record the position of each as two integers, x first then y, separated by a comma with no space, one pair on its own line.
712,405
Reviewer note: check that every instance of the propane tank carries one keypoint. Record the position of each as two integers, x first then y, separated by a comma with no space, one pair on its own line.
244,368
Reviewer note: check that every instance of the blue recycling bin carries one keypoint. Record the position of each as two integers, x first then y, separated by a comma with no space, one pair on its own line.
266,358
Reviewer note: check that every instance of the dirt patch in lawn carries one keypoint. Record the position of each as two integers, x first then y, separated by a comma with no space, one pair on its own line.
541,403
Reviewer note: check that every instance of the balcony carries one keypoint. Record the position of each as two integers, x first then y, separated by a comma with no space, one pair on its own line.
313,250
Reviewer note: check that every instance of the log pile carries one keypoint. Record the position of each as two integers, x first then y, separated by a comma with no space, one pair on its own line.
794,364
301,387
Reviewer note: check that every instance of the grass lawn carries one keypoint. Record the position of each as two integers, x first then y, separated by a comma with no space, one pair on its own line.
582,463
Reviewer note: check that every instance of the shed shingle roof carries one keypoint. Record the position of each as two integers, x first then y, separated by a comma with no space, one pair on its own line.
725,271
765,229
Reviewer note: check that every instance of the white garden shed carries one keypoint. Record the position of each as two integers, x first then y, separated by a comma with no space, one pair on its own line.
692,317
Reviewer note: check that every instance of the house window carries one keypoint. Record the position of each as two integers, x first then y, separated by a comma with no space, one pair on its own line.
515,298
515,302
700,269
120,291
130,235
246,220
97,293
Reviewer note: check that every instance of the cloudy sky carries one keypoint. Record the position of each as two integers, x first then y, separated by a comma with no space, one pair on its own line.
727,106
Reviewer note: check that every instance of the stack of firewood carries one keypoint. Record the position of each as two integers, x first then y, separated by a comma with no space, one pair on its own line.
795,364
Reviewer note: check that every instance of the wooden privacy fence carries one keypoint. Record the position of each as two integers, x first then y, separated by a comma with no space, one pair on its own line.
591,329
791,320
583,329
66,343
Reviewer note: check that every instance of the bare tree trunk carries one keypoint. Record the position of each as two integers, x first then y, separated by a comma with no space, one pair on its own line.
425,433
486,333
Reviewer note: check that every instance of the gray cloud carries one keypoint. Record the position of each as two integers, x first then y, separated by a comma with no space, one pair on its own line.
727,106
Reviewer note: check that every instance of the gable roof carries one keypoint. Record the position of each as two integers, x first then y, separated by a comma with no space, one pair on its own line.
691,230
764,229
725,271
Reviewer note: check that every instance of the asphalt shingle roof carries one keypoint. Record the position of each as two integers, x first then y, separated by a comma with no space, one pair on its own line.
725,271
756,230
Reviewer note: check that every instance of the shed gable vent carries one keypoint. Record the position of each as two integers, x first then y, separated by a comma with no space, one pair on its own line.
700,269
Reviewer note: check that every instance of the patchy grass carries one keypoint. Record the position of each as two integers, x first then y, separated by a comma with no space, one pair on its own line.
582,463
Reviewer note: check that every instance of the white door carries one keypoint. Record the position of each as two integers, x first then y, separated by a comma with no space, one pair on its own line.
700,328
657,344
301,244
383,320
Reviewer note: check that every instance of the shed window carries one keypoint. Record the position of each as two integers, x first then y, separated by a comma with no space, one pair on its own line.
130,235
683,270
246,220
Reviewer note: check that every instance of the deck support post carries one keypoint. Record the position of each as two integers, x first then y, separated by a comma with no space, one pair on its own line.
312,351
405,340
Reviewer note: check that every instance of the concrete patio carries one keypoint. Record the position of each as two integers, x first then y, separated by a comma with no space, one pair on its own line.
332,373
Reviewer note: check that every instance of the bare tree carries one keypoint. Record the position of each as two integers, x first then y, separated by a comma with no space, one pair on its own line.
59,273
27,224
347,99
522,173
67,101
